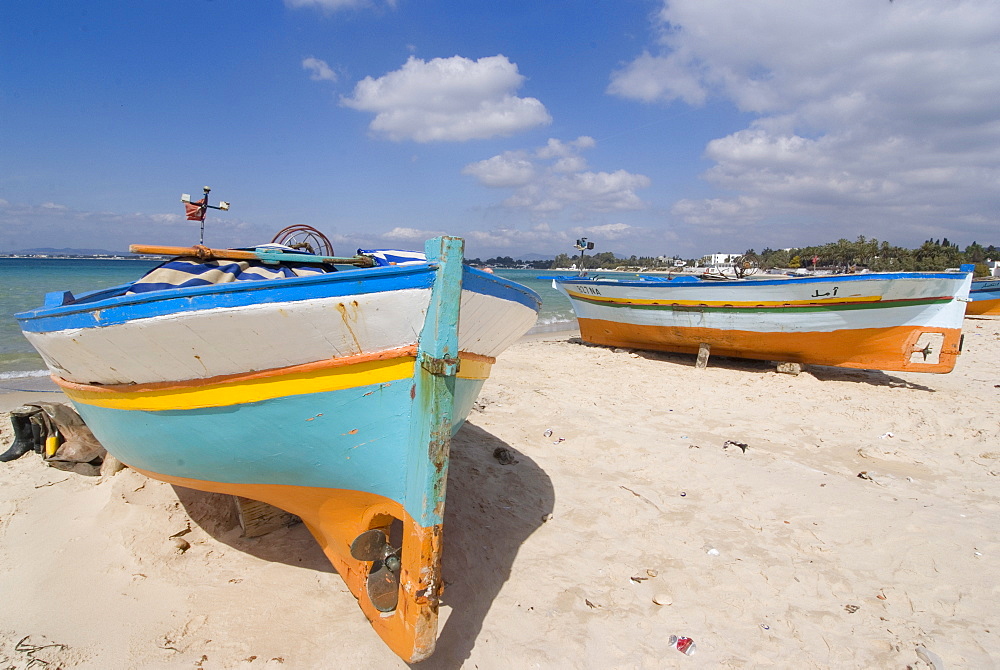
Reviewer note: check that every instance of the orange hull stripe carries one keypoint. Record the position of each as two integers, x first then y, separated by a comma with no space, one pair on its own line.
983,307
332,363
867,348
305,368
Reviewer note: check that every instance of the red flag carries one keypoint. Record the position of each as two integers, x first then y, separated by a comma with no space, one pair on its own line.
815,258
195,210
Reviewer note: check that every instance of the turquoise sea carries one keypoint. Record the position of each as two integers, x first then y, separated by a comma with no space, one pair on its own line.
25,281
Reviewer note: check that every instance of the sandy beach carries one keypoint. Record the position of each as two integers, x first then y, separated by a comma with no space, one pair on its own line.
832,519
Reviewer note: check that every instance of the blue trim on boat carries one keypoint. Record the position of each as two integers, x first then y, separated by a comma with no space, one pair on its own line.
110,306
659,281
485,283
99,309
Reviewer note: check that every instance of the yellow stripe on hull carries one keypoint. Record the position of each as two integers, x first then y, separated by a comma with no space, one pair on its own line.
865,348
335,517
241,389
721,303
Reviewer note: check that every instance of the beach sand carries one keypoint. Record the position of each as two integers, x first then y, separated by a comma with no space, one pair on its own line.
859,528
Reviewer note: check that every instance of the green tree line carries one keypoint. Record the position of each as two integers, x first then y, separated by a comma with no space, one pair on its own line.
843,254
878,256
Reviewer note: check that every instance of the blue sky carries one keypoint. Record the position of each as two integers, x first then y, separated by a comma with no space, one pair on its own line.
681,127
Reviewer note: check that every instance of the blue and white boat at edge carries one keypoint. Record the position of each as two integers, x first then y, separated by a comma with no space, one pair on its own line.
984,297
332,395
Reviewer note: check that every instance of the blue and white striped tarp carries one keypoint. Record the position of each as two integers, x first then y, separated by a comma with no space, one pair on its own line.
394,256
190,271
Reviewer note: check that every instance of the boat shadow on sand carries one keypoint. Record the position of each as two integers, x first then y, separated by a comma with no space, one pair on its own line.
820,372
491,510
873,377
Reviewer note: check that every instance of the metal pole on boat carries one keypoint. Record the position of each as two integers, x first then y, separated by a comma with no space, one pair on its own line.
204,211
582,244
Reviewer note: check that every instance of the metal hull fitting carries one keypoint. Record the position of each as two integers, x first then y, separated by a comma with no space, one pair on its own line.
344,419
891,321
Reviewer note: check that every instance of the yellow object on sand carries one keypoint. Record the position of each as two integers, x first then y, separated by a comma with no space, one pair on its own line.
51,445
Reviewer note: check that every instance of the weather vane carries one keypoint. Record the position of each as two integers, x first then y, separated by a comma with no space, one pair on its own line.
583,245
197,210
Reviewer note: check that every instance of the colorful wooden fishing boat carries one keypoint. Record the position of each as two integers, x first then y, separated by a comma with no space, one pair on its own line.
984,297
332,395
905,321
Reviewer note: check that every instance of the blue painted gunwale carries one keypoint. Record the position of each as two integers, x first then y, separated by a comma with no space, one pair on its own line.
485,283
746,283
110,307
98,309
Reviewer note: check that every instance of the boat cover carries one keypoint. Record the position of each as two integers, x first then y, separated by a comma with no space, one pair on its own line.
189,271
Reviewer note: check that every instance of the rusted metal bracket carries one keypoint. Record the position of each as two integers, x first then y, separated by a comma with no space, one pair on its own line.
439,367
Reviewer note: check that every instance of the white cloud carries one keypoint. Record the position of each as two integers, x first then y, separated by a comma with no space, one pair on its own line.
506,240
555,178
606,231
735,211
543,239
649,78
866,113
167,218
335,5
400,234
448,100
511,169
55,225
318,70
558,149
25,226
602,191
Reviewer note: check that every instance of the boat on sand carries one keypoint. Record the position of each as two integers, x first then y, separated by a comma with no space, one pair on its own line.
332,395
902,321
984,296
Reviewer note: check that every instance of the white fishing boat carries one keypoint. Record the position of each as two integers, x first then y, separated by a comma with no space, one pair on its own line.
905,321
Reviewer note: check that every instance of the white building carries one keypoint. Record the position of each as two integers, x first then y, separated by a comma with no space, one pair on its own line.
719,260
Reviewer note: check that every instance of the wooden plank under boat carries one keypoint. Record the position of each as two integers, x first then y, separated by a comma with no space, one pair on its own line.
984,296
902,321
333,397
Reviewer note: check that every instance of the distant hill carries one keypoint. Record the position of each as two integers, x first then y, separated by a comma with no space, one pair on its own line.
68,252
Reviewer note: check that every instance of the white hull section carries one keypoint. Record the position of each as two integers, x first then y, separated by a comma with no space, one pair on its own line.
930,316
699,306
226,341
488,325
